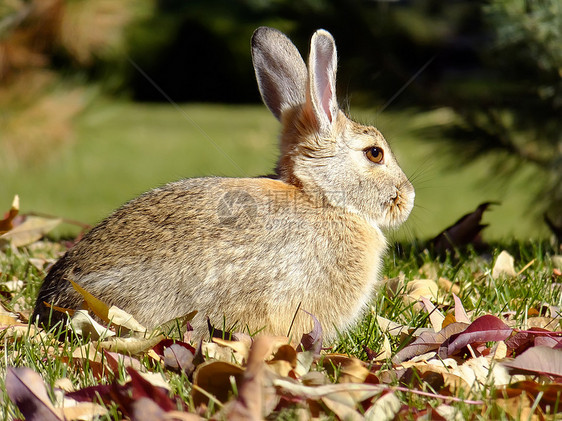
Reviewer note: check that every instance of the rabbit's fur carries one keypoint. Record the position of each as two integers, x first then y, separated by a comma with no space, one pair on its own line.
252,251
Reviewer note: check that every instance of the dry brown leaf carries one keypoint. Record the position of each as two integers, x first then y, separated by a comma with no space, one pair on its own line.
64,384
217,352
8,320
121,318
548,323
6,223
304,363
385,408
214,377
417,288
520,408
241,348
132,346
353,371
342,411
504,266
396,329
31,230
14,285
82,411
460,312
435,316
500,351
446,368
250,403
84,325
449,286
386,351
342,392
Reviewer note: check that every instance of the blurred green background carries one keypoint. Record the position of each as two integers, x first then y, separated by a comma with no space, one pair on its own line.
469,94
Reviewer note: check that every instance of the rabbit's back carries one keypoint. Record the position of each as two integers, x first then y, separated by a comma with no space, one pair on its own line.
248,250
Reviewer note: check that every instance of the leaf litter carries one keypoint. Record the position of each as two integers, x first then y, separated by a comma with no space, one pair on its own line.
253,378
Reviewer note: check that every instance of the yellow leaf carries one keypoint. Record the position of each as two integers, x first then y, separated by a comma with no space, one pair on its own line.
449,318
99,308
6,223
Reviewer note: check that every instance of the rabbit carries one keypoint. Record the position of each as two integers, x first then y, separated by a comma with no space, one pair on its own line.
251,252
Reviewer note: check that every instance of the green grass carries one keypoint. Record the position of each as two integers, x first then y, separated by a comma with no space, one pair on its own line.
121,149
480,294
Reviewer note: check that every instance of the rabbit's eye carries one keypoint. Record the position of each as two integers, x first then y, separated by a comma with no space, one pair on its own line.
375,154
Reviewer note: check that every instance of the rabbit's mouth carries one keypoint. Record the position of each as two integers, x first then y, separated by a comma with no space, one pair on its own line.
399,206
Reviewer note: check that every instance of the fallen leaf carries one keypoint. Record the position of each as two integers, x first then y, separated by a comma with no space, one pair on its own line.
214,377
341,410
167,342
123,319
179,359
254,391
115,360
241,348
29,231
98,307
84,325
428,341
385,408
538,359
84,411
304,363
312,341
142,388
133,346
293,388
27,391
6,224
463,232
417,288
504,266
146,409
460,312
484,329
448,286
435,317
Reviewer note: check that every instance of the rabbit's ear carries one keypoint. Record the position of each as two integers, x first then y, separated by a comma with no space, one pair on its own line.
280,70
322,66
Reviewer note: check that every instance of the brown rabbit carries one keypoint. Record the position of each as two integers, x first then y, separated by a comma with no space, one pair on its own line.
252,251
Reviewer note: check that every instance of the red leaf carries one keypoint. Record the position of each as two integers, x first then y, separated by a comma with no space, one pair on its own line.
166,343
312,341
26,390
519,343
485,328
548,341
143,389
179,358
539,359
428,341
91,393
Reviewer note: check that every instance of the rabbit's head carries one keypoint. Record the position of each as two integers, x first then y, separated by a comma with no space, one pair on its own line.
323,152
